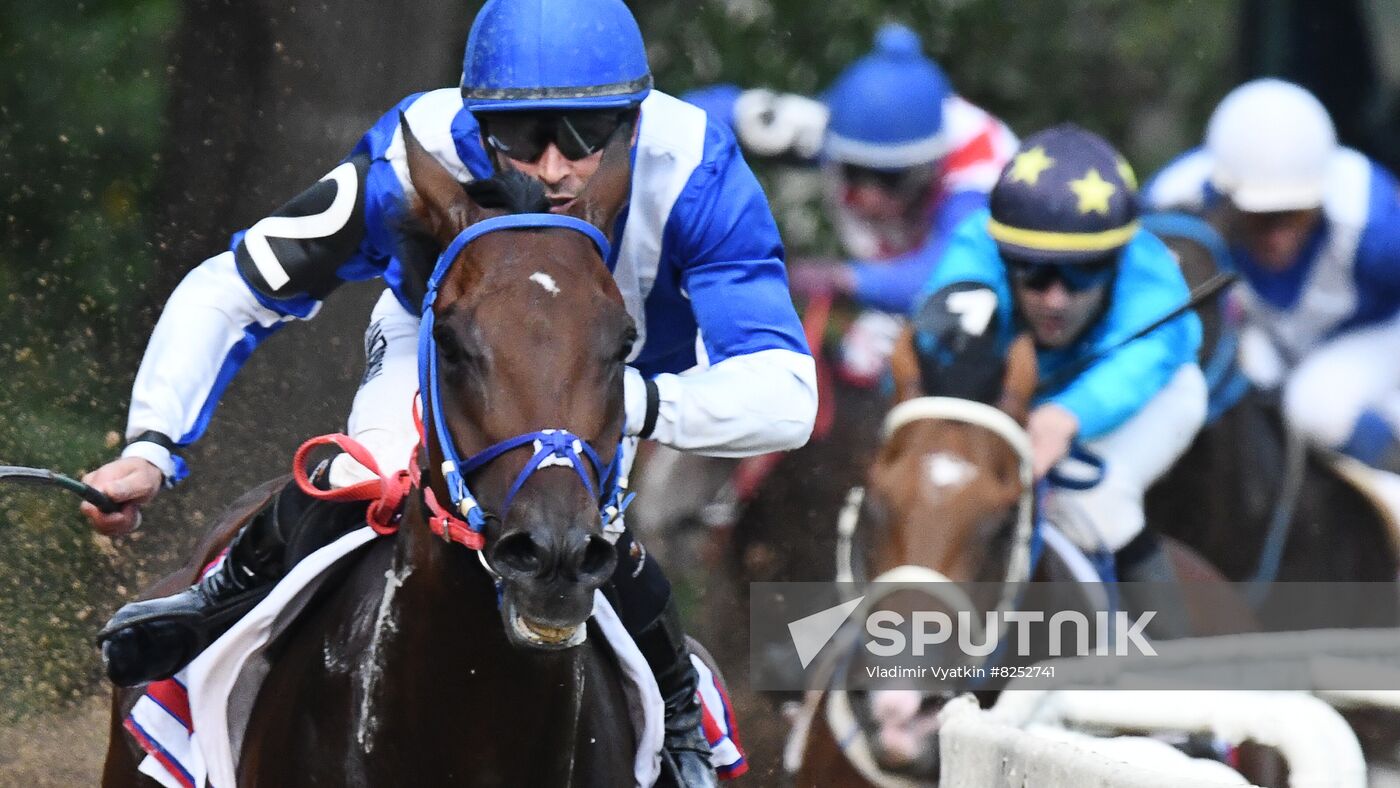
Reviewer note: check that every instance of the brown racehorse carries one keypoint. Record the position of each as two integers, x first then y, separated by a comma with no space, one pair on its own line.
962,524
409,669
947,491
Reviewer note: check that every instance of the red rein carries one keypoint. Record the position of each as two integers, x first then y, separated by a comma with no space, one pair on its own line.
386,493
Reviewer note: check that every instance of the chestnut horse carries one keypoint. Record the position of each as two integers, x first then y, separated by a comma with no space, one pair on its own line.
429,663
948,497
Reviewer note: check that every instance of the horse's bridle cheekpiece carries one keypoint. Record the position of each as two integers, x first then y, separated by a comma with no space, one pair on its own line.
551,446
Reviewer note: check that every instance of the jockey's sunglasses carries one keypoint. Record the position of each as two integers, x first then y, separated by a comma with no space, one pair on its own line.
1077,277
524,136
899,181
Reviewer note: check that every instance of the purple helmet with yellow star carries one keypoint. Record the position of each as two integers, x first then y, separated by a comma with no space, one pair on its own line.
1066,196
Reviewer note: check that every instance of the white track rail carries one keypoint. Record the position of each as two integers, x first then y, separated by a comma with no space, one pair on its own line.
1318,745
1320,748
978,750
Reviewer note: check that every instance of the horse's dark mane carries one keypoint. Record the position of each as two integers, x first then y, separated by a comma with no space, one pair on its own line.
508,190
417,249
511,190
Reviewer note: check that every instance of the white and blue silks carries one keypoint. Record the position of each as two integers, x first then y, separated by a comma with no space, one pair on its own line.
1138,407
696,255
1333,315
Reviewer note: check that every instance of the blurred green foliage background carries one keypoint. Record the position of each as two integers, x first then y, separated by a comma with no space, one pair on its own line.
81,103
83,123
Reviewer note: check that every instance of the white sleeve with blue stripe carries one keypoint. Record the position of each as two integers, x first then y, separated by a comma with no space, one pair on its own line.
280,269
208,328
721,253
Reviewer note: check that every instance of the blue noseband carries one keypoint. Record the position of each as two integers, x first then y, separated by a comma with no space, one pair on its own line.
551,446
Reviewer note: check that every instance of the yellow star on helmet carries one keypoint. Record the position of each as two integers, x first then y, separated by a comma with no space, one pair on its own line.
1125,171
1093,192
1028,165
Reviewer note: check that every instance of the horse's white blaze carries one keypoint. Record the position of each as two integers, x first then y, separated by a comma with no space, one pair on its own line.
546,281
372,666
948,472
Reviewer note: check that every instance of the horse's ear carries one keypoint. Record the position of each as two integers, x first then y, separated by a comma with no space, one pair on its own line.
442,203
608,189
1019,382
904,364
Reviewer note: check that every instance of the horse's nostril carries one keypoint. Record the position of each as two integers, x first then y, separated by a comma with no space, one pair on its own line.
598,559
517,553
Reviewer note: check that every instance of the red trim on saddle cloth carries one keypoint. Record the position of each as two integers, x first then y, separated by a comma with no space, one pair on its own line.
172,765
387,493
717,721
174,698
210,566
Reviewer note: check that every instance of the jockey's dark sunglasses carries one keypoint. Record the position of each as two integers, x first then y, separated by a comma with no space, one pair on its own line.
524,136
1077,277
896,181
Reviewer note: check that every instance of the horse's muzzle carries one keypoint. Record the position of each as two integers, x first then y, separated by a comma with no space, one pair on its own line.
548,584
525,555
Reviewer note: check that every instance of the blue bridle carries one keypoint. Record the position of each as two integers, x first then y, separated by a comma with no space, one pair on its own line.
551,446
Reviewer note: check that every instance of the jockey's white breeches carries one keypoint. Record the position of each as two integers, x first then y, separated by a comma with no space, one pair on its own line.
1108,515
381,419
1351,373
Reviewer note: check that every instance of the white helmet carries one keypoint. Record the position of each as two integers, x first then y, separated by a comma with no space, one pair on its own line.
1271,143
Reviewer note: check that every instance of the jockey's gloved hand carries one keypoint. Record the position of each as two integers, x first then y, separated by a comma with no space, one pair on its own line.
776,124
1052,429
130,481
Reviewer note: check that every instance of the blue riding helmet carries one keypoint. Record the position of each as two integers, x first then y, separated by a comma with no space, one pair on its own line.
530,55
887,107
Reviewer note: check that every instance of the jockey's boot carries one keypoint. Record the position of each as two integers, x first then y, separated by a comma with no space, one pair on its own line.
154,638
685,758
644,602
1144,563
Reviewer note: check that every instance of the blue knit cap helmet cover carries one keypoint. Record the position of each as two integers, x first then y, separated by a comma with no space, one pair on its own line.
530,55
887,107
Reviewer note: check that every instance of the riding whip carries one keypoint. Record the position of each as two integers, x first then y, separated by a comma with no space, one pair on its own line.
1205,291
43,476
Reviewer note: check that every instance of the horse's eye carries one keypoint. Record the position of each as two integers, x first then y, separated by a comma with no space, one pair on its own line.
625,349
449,345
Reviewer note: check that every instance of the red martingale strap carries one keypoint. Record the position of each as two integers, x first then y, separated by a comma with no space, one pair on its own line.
441,521
386,493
